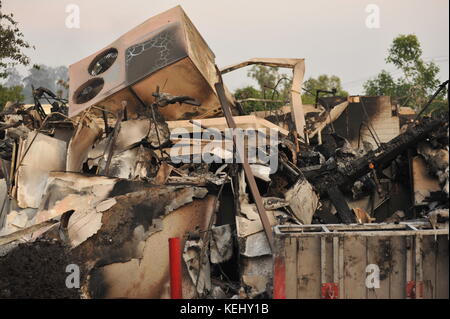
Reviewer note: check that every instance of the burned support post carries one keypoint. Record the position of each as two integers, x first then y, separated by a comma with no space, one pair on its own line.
113,141
105,121
343,210
247,170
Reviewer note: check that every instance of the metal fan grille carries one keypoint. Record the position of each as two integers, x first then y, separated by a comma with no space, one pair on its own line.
88,90
103,62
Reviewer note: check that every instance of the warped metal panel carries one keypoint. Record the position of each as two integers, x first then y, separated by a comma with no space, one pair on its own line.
336,261
165,51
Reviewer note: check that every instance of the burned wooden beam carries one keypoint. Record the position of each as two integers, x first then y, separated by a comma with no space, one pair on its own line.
343,210
378,159
113,140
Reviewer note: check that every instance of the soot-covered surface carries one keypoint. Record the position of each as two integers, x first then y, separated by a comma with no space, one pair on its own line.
36,270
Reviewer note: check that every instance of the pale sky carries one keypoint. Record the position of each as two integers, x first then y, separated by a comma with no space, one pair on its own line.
331,35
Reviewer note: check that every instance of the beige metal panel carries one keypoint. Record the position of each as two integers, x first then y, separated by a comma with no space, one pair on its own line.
381,119
390,246
219,123
379,252
165,51
297,114
132,279
291,267
354,267
442,268
398,270
328,254
429,251
181,78
35,166
333,115
186,82
86,134
340,266
115,78
419,266
410,261
323,260
336,260
200,52
308,268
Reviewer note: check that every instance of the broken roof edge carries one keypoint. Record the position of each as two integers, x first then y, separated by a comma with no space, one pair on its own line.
298,70
274,62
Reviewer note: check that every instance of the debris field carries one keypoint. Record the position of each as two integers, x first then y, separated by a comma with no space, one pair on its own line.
151,146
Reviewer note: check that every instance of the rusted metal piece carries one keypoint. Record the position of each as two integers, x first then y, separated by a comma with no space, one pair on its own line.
343,210
261,100
220,123
330,291
414,290
163,173
279,278
139,267
247,169
113,141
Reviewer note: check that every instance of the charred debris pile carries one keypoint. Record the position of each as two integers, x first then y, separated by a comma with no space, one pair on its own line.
142,152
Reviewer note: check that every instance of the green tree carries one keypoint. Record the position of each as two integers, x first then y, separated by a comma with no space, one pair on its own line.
272,84
63,88
323,82
13,94
12,44
249,92
418,79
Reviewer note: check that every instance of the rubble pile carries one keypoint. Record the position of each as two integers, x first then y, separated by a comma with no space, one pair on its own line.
106,181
